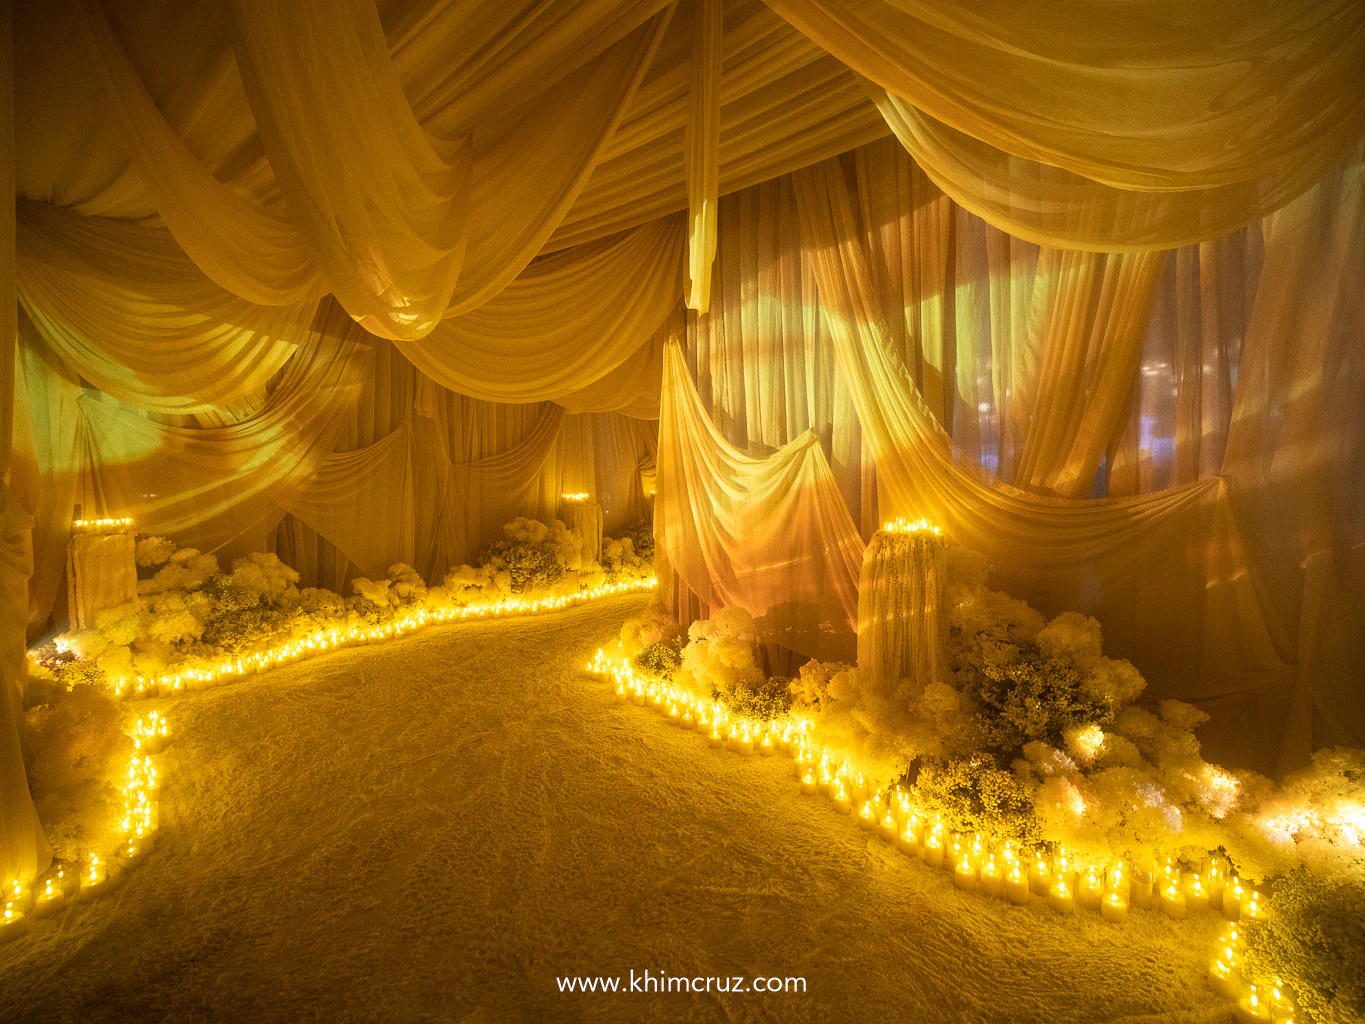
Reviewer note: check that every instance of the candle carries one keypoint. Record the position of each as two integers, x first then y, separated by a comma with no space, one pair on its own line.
860,787
977,850
1196,896
867,816
51,898
674,714
1114,908
767,745
1016,885
1063,870
907,840
688,720
1040,875
931,850
714,738
1090,894
1215,880
1224,976
784,738
637,694
1252,1008
992,878
964,872
843,801
1062,898
1284,1008
887,826
1232,899
13,923
1251,905
809,784
1117,881
1172,900
1140,890
622,692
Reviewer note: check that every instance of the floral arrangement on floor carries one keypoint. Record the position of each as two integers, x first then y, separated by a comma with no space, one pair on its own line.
1036,737
189,614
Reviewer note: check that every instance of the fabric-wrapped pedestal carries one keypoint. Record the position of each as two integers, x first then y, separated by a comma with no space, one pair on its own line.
585,516
101,572
901,626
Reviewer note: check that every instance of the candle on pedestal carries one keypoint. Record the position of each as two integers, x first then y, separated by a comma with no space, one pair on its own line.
1114,908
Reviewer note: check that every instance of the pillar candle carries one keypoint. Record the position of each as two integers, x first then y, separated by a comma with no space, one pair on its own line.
964,872
992,877
1062,898
867,816
1114,908
908,840
1090,892
13,923
1140,890
622,692
1224,977
1215,882
1253,1007
688,720
860,788
1251,905
809,784
1196,895
784,738
843,801
1040,875
766,746
1117,881
1232,899
887,826
931,850
1016,885
674,714
1172,900
714,738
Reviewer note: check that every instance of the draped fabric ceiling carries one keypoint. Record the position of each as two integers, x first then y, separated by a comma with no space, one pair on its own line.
281,270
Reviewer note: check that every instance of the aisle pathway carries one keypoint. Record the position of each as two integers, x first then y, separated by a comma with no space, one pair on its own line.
438,828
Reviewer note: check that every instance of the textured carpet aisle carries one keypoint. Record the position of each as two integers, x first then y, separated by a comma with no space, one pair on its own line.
437,828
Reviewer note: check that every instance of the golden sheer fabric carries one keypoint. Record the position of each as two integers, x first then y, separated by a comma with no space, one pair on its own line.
568,320
703,151
123,307
386,211
1169,571
1155,95
771,535
23,848
1052,206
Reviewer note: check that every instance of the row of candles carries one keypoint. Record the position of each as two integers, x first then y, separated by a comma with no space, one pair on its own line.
205,676
1006,870
101,525
96,874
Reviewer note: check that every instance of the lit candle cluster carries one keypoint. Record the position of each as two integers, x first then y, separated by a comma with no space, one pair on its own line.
1256,1002
1047,872
902,525
708,717
98,874
575,496
101,525
203,675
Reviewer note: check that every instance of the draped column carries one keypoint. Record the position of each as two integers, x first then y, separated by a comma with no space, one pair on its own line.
23,850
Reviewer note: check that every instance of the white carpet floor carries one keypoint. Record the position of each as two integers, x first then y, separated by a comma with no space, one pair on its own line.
438,828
